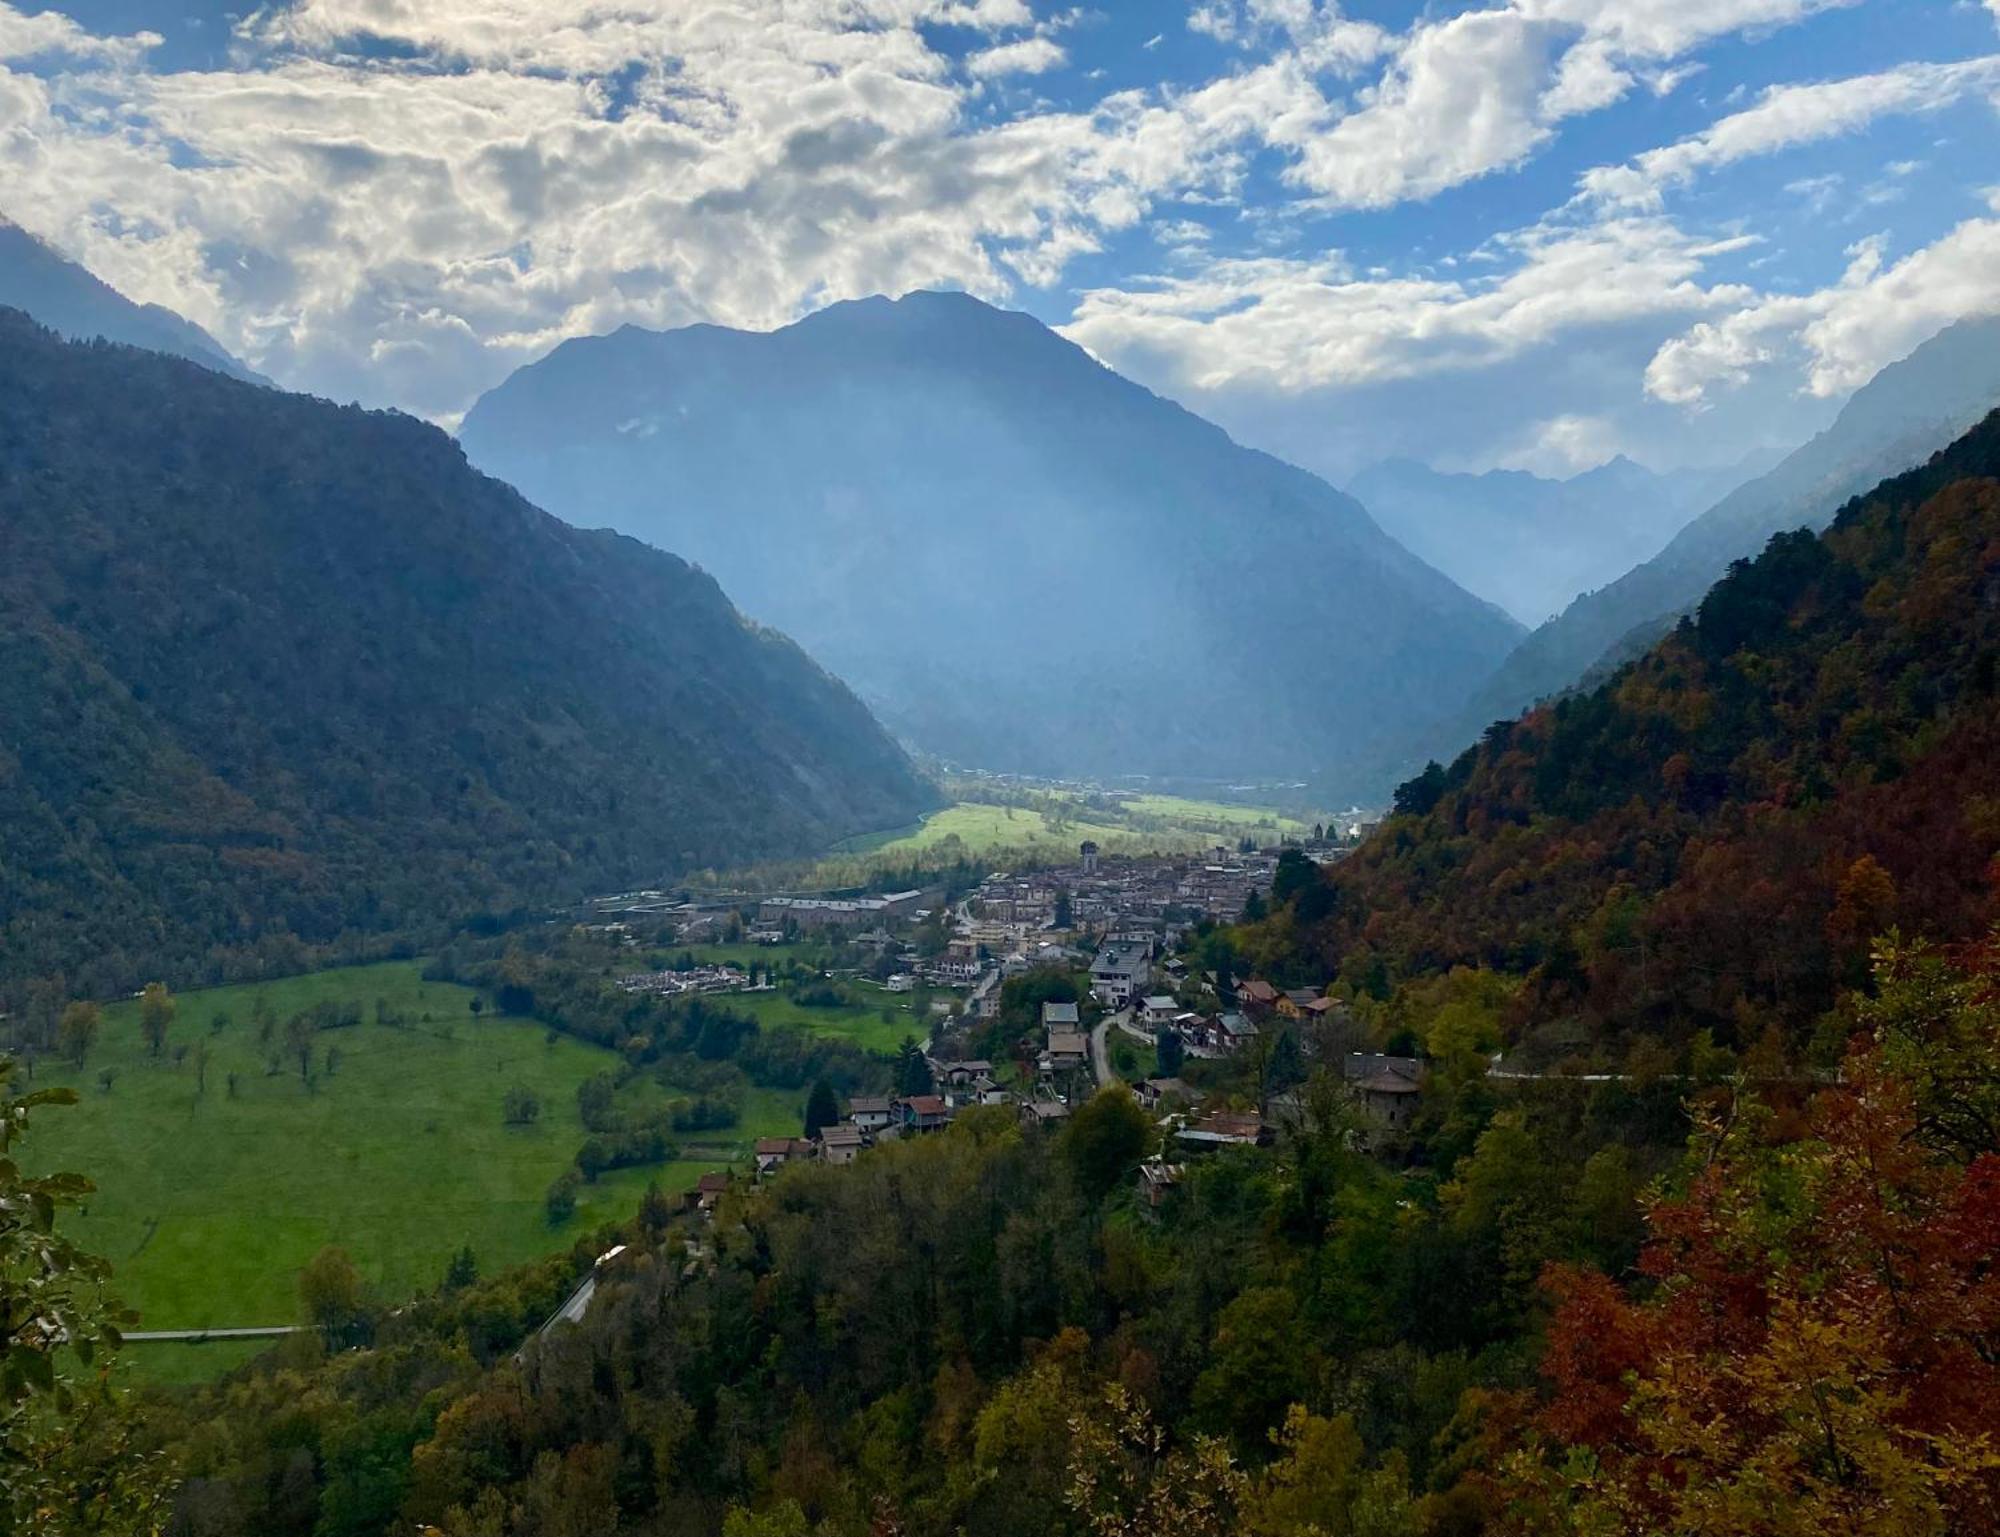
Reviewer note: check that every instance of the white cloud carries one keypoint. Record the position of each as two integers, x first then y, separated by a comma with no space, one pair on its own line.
1839,336
24,37
1296,326
1028,56
1789,116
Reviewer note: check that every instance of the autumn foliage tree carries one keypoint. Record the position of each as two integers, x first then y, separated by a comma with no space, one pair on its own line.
1811,1346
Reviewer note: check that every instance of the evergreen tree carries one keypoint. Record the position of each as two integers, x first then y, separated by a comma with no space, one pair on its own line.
913,1073
822,1109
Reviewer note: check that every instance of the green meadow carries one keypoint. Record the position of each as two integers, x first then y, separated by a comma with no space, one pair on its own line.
209,1201
861,1023
1153,824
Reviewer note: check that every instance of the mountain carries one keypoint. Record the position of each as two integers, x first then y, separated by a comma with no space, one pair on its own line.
1023,560
63,296
272,667
1528,543
1906,412
1713,837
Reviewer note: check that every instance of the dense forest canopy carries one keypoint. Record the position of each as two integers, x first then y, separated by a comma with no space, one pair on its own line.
1711,839
274,672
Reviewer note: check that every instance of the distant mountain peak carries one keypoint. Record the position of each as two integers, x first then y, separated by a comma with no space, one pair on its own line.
1022,558
69,299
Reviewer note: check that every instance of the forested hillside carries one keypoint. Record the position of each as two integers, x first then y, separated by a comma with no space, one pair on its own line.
1713,837
273,672
1907,412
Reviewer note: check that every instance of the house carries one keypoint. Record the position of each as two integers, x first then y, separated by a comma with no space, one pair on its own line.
839,1144
961,1075
1059,1016
1226,1129
1233,1032
1297,1002
924,1112
1152,1092
1389,1088
1159,1011
1043,1112
985,1000
868,1114
1157,1178
707,1191
775,1152
1119,972
1257,997
1067,1049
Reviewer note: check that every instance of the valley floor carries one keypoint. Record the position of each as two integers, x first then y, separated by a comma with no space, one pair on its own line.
211,1199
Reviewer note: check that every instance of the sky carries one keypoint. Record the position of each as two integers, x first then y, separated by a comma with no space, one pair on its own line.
1526,234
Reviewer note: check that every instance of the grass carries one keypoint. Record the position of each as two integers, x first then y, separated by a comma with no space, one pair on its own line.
209,1203
1217,816
861,1023
984,829
1155,824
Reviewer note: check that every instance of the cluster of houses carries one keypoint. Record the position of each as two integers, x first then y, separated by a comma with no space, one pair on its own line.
701,979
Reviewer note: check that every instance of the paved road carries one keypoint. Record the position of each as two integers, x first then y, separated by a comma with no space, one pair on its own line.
1100,1059
268,1332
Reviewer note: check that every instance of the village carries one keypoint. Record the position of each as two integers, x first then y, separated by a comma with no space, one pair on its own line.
1114,925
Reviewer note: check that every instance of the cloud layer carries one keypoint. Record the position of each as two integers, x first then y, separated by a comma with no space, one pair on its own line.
400,200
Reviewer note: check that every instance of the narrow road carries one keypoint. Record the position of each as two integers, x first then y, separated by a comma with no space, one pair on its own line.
265,1332
1100,1059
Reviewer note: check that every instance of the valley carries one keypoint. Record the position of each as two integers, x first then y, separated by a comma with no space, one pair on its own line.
963,768
221,1171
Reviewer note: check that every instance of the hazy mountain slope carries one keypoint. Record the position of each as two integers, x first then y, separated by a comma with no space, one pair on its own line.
1024,560
67,298
1713,837
1907,412
269,665
1528,543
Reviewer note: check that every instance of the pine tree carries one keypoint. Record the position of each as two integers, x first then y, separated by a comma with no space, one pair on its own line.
822,1109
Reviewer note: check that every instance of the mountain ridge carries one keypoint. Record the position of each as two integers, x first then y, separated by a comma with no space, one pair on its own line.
1530,543
854,479
276,667
1910,409
68,298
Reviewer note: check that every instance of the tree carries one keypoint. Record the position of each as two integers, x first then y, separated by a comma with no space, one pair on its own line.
331,1294
201,1067
462,1271
66,1462
1169,1052
913,1073
78,1030
1105,1139
1254,909
822,1109
156,1015
1419,797
299,1032
1812,1352
520,1106
1062,914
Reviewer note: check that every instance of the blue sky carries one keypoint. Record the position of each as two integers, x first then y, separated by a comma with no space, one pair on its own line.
1532,233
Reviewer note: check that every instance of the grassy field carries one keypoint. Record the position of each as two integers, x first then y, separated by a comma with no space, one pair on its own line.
1217,816
208,1203
984,828
1161,824
860,1023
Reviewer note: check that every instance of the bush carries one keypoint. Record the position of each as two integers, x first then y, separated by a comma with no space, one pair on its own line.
521,1106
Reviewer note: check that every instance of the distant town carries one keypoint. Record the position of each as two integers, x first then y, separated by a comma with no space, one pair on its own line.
1118,921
